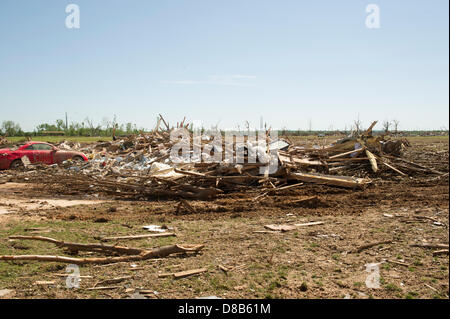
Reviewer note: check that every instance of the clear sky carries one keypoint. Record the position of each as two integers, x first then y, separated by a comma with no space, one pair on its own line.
226,61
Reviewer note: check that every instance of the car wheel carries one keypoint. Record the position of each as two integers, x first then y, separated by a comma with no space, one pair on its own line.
16,164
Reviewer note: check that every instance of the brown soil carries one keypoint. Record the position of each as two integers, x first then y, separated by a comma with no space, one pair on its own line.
310,262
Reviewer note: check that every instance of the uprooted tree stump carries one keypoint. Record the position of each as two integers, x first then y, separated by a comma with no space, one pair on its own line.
133,254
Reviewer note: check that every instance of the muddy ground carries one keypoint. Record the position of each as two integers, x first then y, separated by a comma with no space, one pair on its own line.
318,261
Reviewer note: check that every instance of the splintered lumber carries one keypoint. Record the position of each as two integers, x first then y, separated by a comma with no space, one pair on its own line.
356,152
415,164
430,245
182,274
280,227
187,205
143,255
113,281
363,247
286,159
308,224
132,237
284,228
305,199
369,130
342,181
372,160
104,288
283,188
394,169
440,252
83,247
398,263
187,273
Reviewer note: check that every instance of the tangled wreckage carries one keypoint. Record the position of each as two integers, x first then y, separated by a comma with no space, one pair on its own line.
141,166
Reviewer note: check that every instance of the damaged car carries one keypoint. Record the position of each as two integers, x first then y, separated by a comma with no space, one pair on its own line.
37,152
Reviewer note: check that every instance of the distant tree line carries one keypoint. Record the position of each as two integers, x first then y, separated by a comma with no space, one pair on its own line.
106,128
85,128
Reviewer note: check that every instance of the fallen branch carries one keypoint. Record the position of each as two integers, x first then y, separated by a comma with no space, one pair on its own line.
131,237
430,245
398,263
285,228
143,255
363,247
440,252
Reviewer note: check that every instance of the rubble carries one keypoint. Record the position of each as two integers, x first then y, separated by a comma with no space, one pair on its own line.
141,167
3,141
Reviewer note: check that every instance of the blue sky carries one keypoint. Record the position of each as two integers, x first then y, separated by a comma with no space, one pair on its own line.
224,62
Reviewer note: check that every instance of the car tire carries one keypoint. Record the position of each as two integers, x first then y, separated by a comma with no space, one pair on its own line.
16,164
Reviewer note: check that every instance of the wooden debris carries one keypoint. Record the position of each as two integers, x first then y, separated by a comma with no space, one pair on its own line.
133,254
182,274
187,273
133,237
113,281
45,283
363,247
304,200
223,268
104,288
188,206
82,247
372,160
343,181
440,252
285,228
398,263
355,152
430,245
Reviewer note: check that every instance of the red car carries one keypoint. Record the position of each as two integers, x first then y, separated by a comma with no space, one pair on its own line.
37,152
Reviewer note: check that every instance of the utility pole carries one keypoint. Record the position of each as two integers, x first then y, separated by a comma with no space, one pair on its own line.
66,122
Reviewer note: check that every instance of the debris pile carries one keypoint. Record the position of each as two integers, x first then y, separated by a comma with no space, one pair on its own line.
141,167
3,141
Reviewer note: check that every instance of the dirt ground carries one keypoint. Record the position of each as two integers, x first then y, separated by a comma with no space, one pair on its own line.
319,261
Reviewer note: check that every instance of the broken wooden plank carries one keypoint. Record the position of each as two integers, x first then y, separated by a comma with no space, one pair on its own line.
372,160
430,245
223,268
393,168
309,224
133,237
342,181
363,247
282,228
440,252
104,288
398,263
356,152
113,281
144,255
285,228
283,188
305,199
187,273
188,206
84,247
